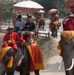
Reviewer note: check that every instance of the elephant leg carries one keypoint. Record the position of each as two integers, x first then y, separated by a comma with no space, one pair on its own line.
55,32
10,72
52,32
39,26
69,73
73,71
24,73
36,72
43,26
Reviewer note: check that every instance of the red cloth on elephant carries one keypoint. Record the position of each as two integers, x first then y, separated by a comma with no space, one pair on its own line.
36,63
69,23
56,18
12,37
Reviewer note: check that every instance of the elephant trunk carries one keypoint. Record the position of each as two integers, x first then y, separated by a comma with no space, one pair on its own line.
71,65
2,69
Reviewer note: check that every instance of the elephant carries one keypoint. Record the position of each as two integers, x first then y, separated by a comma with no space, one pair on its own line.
23,66
53,29
67,49
41,23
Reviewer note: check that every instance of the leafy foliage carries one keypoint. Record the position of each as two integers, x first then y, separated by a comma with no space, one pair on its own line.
48,4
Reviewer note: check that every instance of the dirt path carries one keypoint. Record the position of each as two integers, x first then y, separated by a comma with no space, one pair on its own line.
50,55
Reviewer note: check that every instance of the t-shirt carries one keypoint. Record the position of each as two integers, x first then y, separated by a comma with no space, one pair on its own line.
20,24
30,26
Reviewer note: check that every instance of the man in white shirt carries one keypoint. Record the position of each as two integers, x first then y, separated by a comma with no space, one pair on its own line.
20,24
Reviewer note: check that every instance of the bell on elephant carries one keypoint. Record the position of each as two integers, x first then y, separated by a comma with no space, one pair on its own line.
10,62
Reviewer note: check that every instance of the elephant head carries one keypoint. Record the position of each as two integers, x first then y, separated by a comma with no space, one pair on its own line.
23,67
67,47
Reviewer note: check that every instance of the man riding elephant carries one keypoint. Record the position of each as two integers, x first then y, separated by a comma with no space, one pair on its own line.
54,25
10,38
66,45
13,54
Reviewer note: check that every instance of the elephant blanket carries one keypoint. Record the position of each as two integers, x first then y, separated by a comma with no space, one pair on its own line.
3,51
36,61
67,35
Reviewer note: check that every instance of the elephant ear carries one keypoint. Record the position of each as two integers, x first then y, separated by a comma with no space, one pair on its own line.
3,52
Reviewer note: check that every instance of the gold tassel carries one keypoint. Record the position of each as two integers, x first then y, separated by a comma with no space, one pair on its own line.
59,46
10,62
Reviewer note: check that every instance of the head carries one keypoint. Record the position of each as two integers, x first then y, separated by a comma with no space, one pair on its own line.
19,17
29,18
10,29
27,36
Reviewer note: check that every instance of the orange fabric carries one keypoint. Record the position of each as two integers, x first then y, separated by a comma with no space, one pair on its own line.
67,35
3,51
37,56
36,60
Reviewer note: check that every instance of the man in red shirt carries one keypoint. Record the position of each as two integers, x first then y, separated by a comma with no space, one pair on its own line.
10,39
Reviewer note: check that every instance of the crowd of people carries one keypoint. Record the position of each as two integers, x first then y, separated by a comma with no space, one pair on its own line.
26,33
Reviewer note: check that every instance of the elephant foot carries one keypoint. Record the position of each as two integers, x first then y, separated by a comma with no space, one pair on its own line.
36,72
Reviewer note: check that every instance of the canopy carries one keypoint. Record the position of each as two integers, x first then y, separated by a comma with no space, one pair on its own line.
51,11
27,6
41,11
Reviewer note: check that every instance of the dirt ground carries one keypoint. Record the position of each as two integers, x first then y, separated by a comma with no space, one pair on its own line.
48,46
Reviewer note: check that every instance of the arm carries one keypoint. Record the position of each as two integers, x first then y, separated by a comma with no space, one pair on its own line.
19,38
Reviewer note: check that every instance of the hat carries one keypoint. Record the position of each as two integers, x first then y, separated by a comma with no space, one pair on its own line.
28,15
71,15
10,28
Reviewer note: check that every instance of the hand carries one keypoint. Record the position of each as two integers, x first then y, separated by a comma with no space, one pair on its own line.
23,41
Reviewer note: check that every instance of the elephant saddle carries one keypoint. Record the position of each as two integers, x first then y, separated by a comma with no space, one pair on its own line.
67,35
3,51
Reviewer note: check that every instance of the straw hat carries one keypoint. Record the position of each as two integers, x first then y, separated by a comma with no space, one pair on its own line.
10,28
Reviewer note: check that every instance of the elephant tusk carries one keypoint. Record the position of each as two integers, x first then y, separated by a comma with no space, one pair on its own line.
60,65
20,60
71,65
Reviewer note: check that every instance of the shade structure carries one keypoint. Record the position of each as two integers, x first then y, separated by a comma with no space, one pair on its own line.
27,6
41,11
51,11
